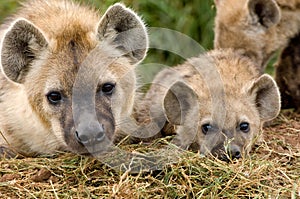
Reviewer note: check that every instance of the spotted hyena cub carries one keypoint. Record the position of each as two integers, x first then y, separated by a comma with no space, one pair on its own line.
216,102
67,76
260,28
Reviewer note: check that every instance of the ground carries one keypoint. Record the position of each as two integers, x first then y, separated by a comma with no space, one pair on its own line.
271,171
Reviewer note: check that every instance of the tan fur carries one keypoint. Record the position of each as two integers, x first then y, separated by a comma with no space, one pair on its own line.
44,47
241,95
260,30
237,28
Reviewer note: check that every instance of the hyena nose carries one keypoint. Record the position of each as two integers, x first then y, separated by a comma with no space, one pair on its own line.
92,135
235,152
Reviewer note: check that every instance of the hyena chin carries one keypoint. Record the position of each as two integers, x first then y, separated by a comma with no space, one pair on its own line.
217,103
67,76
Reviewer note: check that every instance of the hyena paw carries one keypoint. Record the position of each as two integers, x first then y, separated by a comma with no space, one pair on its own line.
7,153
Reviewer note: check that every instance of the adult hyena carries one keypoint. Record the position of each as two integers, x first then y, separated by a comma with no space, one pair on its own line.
67,76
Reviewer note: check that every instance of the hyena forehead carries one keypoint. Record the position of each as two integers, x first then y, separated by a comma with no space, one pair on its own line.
227,65
63,78
71,40
232,110
232,83
241,109
229,61
61,20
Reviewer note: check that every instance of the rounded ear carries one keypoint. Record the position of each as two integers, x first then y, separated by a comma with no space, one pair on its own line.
127,30
265,12
21,45
267,97
178,102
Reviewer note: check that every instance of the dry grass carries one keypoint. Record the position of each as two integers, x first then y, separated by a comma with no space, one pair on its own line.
272,171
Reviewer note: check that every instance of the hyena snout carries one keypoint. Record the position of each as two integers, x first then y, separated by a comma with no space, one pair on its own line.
234,152
91,134
230,152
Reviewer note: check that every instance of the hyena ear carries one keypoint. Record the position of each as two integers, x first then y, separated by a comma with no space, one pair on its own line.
267,97
179,101
265,12
127,30
21,45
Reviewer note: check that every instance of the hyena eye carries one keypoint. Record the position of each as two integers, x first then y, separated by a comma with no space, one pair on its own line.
206,128
245,127
54,97
108,88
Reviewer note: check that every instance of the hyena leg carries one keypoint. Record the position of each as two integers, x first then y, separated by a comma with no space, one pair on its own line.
5,152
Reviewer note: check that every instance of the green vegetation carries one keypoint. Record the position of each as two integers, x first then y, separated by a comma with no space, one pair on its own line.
7,7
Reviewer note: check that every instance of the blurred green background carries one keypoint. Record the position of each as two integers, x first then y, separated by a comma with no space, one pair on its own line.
191,17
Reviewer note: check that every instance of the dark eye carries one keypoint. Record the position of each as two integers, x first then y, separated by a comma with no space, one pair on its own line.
54,97
206,128
245,127
108,88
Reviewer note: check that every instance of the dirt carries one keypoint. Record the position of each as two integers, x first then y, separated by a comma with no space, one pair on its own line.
41,175
285,130
10,177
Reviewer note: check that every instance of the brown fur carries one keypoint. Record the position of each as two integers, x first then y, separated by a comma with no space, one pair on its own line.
58,46
287,74
241,95
260,28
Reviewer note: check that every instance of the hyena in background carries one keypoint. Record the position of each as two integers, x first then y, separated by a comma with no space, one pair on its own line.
287,74
44,48
260,28
230,112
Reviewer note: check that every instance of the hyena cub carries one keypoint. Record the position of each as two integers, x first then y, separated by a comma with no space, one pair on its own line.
217,102
260,28
67,76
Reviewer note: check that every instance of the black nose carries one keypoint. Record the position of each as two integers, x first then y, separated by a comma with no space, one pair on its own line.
89,136
235,152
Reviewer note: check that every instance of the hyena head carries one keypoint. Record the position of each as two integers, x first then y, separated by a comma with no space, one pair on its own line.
226,113
80,83
248,25
228,129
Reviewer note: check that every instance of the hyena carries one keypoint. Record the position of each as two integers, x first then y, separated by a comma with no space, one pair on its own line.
260,28
287,74
51,53
217,102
